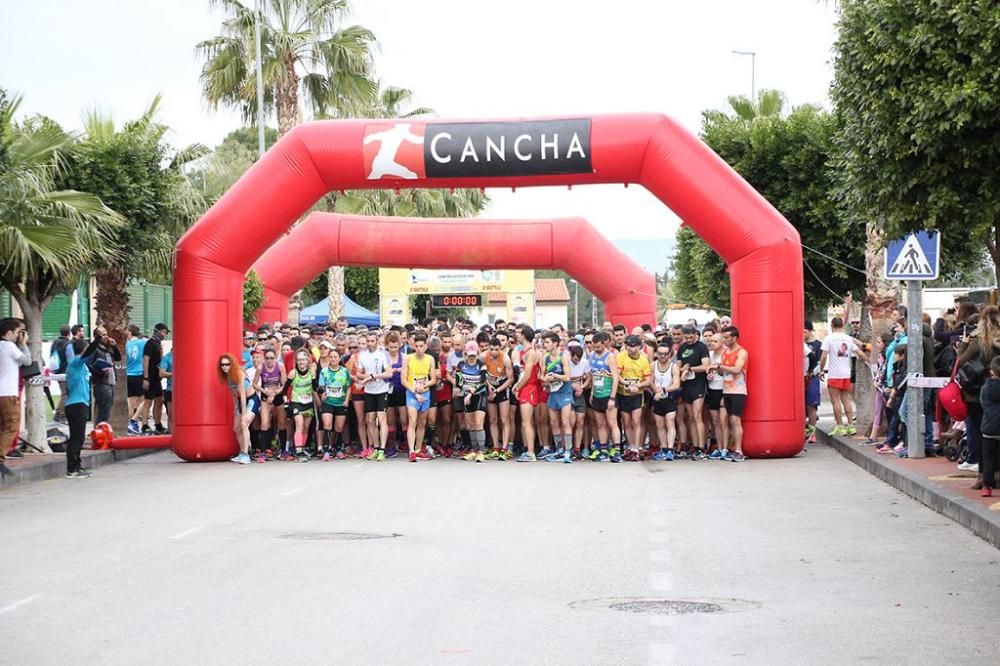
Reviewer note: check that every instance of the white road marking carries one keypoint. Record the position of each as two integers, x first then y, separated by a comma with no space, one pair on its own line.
18,604
189,532
292,491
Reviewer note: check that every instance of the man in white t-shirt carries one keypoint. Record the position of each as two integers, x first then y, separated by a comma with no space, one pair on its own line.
835,367
13,354
375,370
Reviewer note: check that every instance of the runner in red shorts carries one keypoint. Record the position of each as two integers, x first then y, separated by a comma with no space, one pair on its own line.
528,389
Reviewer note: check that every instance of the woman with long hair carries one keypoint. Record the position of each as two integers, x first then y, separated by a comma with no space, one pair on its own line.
246,403
268,383
982,345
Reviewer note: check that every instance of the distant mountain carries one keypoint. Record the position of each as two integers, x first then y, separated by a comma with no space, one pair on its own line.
653,254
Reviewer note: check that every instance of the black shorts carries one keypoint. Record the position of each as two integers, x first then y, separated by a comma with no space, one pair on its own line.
443,403
395,398
579,404
694,390
155,390
735,403
713,399
133,386
501,396
358,396
377,402
168,396
295,408
600,405
629,403
665,406
336,410
476,404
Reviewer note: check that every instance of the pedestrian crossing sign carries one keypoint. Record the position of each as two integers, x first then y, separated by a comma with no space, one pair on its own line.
916,257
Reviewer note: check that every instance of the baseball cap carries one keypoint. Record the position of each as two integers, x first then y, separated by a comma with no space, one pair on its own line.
471,348
161,327
326,343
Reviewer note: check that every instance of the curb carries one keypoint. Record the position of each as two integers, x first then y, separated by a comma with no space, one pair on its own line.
974,517
55,467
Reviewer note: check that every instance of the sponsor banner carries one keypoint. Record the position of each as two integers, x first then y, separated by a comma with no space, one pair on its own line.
418,150
457,281
521,308
393,310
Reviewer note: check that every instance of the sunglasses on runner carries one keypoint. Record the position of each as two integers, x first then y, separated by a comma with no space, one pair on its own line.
225,364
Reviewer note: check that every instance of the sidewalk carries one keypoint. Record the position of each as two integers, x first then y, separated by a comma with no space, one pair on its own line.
934,482
39,467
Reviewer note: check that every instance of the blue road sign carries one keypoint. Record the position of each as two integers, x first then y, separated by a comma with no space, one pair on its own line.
916,257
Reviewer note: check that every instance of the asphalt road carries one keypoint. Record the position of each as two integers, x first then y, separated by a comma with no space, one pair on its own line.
807,561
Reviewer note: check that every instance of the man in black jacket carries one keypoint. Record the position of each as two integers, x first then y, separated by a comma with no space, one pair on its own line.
102,373
59,349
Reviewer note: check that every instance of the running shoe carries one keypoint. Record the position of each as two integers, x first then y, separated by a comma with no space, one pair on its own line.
838,430
261,459
303,457
480,457
423,455
235,458
391,452
160,430
614,452
133,427
697,454
716,455
727,455
470,456
413,457
555,456
340,455
431,453
545,452
146,430
670,454
326,456
507,455
527,457
660,455
585,453
595,453
494,454
602,455
568,458
379,456
850,430
244,459
682,454
615,458
631,456
737,457
81,474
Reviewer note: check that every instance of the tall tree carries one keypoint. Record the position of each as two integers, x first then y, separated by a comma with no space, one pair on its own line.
917,92
306,53
768,103
137,174
48,237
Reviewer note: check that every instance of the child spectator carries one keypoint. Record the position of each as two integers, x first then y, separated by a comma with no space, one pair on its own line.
897,391
989,398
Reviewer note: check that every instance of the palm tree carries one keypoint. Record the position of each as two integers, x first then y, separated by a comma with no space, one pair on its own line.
48,237
768,103
304,54
393,102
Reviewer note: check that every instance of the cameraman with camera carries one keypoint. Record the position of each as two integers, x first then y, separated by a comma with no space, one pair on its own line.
13,354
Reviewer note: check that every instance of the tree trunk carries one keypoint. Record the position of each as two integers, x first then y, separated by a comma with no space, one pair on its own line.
112,300
335,291
36,416
286,98
876,316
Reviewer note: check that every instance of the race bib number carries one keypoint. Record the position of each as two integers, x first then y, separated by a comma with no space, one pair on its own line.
336,391
600,382
555,386
689,375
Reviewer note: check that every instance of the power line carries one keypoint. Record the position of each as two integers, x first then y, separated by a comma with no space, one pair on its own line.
829,258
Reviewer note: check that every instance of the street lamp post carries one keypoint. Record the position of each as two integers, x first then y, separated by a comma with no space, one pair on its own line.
576,308
753,72
260,80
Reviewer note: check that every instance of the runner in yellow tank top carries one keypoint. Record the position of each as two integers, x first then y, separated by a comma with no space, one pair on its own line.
417,375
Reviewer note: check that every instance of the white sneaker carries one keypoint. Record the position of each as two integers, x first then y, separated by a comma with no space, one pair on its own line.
430,451
969,467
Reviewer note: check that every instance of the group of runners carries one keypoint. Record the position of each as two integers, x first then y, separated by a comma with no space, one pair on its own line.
497,392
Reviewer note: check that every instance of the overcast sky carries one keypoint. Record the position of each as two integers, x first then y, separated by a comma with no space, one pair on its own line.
463,58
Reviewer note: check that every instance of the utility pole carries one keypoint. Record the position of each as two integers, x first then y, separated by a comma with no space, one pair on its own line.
753,72
260,81
576,302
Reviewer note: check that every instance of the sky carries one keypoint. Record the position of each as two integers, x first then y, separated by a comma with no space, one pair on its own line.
463,58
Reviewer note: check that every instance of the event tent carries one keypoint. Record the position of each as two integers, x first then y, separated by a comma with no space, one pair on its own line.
356,315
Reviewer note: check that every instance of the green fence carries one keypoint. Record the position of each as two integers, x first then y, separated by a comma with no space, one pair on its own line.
148,305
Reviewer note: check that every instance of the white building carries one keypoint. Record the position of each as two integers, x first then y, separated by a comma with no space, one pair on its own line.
551,305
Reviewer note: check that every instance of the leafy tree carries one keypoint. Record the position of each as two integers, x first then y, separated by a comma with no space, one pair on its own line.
787,160
48,236
306,54
137,174
917,92
768,103
253,296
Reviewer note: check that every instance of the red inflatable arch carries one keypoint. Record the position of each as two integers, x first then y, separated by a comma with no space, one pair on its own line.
761,248
571,244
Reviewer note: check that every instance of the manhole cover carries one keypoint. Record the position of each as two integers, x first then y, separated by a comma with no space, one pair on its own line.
336,536
654,606
666,607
